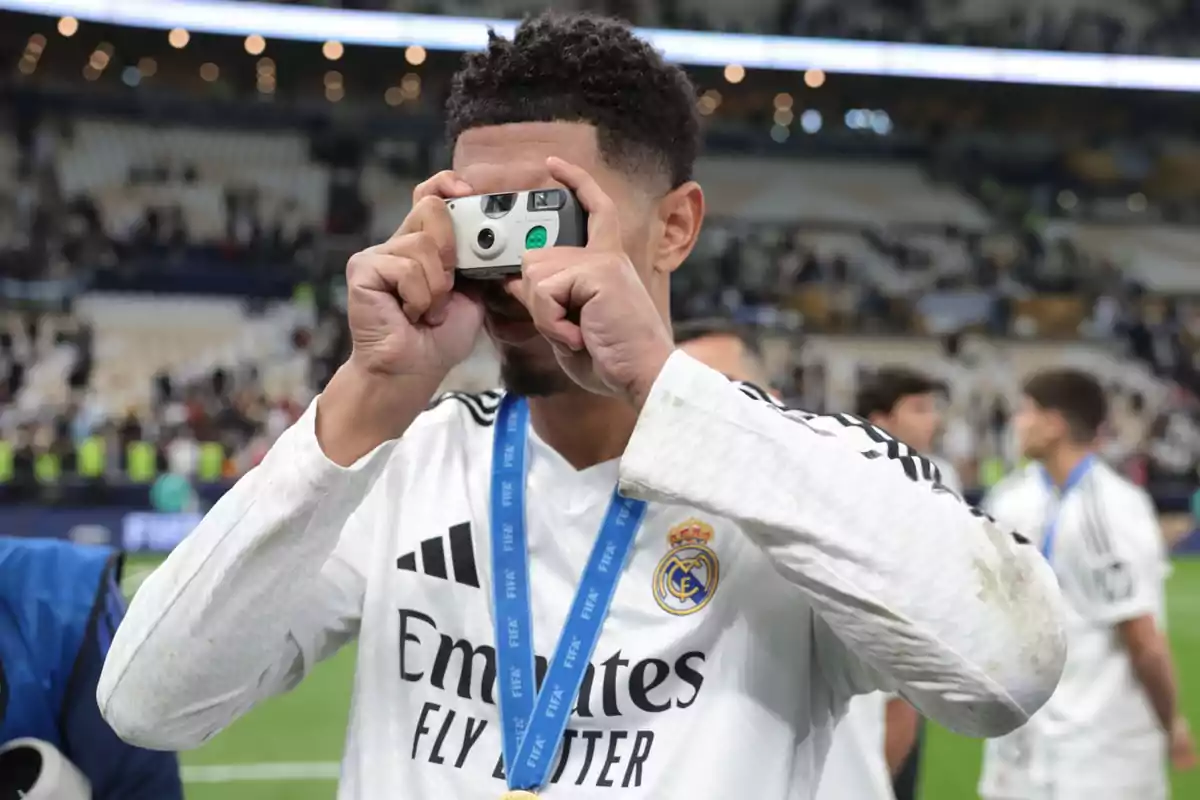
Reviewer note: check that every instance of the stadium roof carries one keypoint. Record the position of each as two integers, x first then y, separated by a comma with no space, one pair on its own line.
687,47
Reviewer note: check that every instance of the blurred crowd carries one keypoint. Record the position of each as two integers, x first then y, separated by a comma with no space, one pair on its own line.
48,234
51,246
255,232
213,427
765,264
1158,29
804,277
209,428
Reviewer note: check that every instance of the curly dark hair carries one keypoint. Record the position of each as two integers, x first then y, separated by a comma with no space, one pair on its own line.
583,68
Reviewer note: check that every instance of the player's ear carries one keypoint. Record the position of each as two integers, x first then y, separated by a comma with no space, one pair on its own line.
680,215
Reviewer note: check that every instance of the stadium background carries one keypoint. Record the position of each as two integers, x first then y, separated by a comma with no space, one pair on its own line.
177,202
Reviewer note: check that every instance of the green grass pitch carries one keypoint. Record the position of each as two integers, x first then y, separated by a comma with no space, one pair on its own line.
287,748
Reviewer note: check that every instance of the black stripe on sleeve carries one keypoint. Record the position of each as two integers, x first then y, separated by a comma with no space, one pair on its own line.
916,467
757,393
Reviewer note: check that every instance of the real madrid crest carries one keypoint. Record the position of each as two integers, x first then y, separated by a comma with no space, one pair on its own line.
686,577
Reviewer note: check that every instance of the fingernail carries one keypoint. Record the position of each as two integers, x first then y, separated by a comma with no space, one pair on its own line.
463,186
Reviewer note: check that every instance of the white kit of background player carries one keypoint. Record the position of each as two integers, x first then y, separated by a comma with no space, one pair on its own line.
1098,736
783,563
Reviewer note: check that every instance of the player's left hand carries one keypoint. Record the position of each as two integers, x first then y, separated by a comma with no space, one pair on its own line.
590,303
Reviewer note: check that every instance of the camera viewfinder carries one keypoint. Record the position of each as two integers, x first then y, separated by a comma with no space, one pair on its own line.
546,200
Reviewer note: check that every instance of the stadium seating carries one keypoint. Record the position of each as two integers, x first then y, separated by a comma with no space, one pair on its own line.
138,338
865,192
1161,257
103,156
389,197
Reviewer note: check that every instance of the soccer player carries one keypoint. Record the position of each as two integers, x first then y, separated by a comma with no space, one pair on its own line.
725,347
59,606
693,634
907,404
1113,724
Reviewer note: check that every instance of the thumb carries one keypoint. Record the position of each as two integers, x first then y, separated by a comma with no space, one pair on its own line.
454,308
438,312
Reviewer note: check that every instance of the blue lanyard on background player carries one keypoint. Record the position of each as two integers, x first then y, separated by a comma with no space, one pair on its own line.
1073,479
532,728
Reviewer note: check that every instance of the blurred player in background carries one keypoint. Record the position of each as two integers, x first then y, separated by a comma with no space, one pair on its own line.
876,751
1113,723
725,347
873,741
908,405
59,607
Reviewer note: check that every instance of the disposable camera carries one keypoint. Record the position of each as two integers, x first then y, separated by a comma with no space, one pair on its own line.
493,231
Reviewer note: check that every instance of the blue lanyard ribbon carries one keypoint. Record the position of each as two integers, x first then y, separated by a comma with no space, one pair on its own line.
533,723
1073,479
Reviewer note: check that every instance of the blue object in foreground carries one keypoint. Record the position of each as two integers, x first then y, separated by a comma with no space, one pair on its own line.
60,605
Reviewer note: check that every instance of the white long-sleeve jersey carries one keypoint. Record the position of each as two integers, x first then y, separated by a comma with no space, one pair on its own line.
821,561
1098,736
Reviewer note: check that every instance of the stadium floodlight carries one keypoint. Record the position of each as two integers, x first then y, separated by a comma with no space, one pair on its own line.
686,47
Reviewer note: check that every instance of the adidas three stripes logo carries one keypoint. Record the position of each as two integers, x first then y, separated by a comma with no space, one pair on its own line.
433,557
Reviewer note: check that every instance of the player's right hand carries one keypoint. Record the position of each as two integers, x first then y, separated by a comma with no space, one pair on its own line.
405,317
1183,748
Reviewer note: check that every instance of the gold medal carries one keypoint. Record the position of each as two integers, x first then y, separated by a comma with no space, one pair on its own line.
518,794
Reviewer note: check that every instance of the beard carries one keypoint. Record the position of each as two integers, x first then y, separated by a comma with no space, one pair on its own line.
532,375
527,364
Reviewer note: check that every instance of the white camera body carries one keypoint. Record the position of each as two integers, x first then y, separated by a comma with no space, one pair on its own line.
493,231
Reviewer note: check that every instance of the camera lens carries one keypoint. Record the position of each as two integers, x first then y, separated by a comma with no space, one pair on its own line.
487,238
